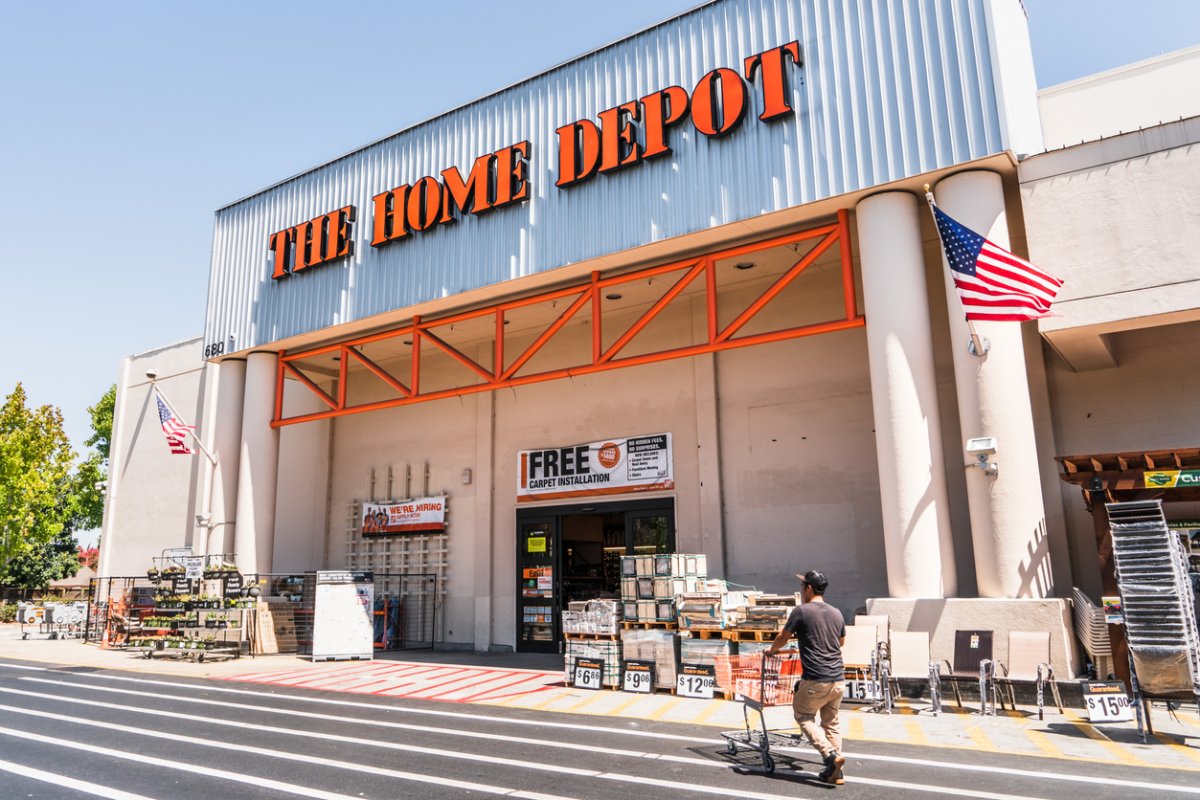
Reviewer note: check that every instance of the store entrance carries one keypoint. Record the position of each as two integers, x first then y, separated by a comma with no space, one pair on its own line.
568,553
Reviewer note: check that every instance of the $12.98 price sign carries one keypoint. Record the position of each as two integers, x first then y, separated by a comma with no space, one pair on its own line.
696,680
589,673
1107,701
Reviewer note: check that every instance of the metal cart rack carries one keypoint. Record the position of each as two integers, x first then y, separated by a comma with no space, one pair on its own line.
762,681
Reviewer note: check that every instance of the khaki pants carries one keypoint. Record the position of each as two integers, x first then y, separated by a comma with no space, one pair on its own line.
823,698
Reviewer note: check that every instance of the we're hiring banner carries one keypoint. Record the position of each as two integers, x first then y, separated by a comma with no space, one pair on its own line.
612,466
423,515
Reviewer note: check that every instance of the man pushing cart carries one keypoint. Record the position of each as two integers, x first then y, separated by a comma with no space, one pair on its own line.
820,631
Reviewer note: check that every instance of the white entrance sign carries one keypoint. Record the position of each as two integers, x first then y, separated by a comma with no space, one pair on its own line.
613,466
343,616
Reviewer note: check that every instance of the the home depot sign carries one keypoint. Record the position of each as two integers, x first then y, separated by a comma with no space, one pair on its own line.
618,138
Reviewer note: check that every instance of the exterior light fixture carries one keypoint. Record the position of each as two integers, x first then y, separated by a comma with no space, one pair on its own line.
613,296
745,265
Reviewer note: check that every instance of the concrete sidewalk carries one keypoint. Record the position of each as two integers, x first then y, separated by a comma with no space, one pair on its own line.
535,682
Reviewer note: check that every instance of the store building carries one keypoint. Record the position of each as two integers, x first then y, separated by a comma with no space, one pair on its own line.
701,251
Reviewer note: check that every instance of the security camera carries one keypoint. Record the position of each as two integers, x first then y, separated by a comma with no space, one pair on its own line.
202,519
981,446
151,374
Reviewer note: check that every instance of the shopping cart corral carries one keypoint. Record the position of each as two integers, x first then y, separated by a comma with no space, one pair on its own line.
762,681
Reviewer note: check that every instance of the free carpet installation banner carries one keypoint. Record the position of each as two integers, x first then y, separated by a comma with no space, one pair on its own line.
423,515
613,466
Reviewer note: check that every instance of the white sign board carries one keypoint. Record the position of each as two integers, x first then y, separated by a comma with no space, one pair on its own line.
193,567
1107,701
343,616
613,466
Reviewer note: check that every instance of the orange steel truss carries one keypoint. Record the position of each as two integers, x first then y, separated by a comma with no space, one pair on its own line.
420,332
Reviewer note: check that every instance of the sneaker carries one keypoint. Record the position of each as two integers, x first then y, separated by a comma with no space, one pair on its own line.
832,773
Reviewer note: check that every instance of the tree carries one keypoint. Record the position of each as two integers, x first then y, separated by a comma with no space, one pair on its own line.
48,561
35,477
87,505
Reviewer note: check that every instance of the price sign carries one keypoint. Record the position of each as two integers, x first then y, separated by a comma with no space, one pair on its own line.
863,691
1107,701
637,676
589,673
696,680
193,567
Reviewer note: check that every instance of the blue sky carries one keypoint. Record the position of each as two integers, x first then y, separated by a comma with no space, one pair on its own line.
126,124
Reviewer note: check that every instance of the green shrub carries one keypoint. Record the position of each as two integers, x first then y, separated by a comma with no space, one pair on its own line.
8,611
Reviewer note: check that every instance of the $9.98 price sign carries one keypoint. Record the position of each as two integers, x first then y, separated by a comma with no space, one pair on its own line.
589,673
1107,701
696,680
637,676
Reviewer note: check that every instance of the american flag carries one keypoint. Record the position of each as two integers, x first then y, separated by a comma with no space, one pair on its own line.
174,429
992,283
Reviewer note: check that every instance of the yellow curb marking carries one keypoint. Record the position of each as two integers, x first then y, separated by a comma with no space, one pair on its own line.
587,701
980,738
661,711
1043,742
1119,753
855,729
703,716
539,706
1176,747
616,711
915,734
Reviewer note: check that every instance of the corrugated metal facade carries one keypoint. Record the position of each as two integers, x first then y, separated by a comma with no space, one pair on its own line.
888,89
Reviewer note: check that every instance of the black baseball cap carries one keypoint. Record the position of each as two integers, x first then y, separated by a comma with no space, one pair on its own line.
816,580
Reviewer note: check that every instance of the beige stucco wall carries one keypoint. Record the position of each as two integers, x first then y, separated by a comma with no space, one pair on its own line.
1140,95
153,494
1150,401
1116,221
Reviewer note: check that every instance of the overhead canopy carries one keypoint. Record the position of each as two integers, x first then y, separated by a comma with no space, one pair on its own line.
1141,474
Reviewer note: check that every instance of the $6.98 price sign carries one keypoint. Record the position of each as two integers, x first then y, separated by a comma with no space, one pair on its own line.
588,673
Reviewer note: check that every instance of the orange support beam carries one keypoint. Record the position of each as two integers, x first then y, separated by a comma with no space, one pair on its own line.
502,376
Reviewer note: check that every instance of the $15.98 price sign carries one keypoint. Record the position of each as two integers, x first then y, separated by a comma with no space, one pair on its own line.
696,680
1107,701
589,673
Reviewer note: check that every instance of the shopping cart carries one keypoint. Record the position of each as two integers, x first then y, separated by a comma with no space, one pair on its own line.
762,681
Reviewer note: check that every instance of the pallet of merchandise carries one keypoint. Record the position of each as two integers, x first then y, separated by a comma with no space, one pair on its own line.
592,617
607,650
648,624
653,644
750,634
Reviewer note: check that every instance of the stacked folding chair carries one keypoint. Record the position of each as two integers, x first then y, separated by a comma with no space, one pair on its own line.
909,661
1028,663
1158,605
1092,630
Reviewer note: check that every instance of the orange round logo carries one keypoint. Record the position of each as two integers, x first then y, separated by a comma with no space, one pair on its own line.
609,455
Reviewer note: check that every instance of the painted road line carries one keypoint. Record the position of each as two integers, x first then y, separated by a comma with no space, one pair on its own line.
495,737
267,783
540,682
108,792
21,666
690,788
376,707
981,739
1138,786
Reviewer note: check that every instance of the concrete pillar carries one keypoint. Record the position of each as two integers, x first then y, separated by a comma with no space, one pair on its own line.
485,543
116,468
1008,528
908,440
224,441
254,537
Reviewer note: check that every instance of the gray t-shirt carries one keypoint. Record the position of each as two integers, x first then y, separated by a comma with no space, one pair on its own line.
819,629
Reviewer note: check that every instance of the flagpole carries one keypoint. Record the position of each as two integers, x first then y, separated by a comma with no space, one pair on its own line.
211,478
977,348
191,432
